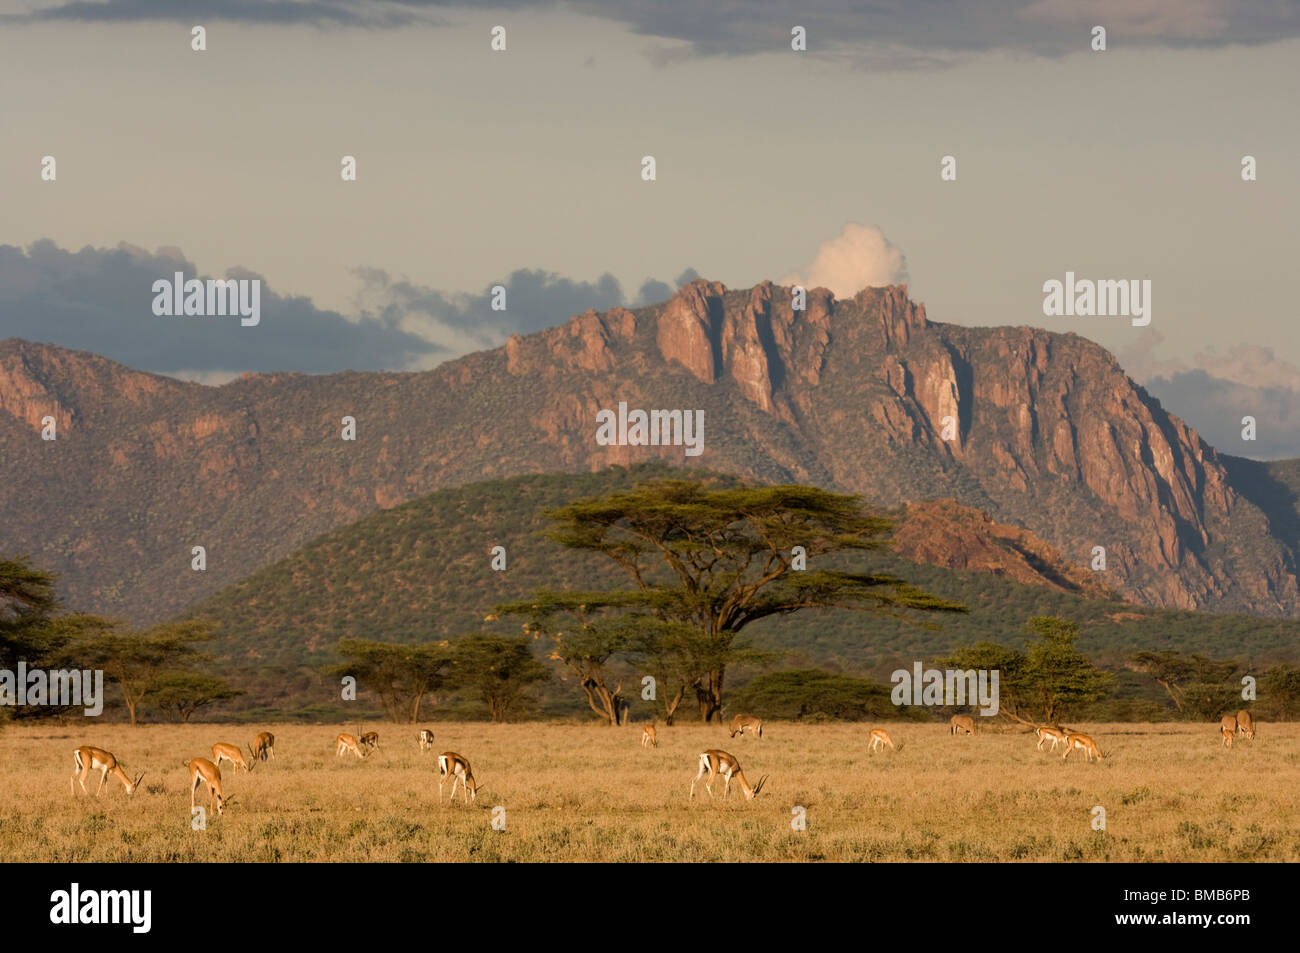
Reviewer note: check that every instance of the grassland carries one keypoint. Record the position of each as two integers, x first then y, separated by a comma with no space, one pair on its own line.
575,793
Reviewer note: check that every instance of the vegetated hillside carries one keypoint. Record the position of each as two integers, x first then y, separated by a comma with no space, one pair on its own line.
421,572
1045,433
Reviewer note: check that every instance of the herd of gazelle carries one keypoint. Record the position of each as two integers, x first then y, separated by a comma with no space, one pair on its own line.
714,762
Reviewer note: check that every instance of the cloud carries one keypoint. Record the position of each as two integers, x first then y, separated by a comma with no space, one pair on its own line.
884,34
1173,19
859,257
323,13
1220,388
100,300
466,322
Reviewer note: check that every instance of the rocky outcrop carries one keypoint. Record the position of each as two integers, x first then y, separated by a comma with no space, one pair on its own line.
945,533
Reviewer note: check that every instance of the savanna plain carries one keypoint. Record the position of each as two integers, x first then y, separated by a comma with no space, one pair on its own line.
1171,792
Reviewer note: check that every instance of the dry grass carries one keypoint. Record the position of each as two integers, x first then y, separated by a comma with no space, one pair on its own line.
587,793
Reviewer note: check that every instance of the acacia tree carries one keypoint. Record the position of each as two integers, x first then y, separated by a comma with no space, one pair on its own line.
181,694
498,670
401,675
137,661
1197,685
717,559
1044,682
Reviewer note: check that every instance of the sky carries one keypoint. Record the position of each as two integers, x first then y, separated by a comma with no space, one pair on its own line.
524,168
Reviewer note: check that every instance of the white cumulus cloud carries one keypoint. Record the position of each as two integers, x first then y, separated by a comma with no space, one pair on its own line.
859,257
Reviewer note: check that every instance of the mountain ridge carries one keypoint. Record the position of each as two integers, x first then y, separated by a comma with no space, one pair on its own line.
1047,434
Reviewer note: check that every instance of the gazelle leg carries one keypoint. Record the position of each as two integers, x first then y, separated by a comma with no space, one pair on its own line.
697,778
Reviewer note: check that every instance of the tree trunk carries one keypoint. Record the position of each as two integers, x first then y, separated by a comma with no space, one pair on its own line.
670,705
708,692
602,701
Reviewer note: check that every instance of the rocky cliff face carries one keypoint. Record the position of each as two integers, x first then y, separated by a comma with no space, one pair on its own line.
1043,432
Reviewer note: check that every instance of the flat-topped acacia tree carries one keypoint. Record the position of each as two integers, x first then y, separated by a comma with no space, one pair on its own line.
715,559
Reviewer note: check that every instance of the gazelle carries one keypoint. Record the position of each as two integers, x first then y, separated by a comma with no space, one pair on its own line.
203,771
1087,745
348,743
370,740
880,738
87,758
715,762
453,765
1246,724
746,723
1228,723
426,739
959,724
225,752
264,746
649,737
1227,736
1047,733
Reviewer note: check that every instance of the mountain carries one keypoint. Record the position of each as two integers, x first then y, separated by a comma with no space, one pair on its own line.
1048,435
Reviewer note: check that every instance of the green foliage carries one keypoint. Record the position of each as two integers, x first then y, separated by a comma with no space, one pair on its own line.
139,661
499,670
1200,687
1043,684
180,694
401,675
1279,692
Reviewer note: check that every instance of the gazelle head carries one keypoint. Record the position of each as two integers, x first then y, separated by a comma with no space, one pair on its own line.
252,758
757,788
130,788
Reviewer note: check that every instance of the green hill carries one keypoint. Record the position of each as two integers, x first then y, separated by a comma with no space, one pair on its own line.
421,572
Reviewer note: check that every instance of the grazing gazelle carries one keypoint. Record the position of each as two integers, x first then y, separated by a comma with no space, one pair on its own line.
649,737
452,765
1087,745
1246,724
224,752
1227,736
348,743
370,740
203,771
1228,723
961,724
746,723
715,762
264,747
880,738
426,739
1047,733
87,758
